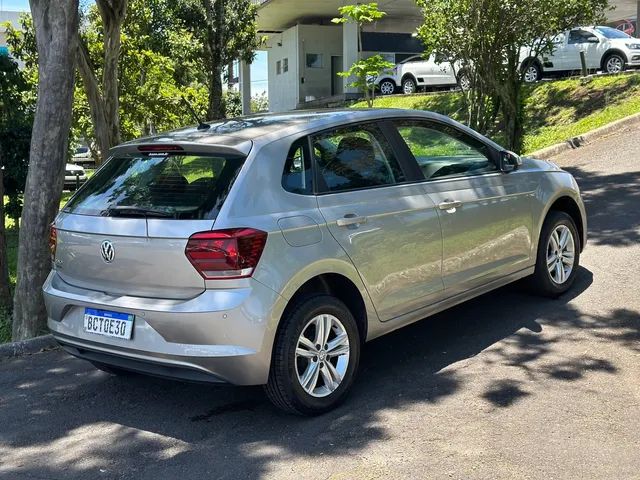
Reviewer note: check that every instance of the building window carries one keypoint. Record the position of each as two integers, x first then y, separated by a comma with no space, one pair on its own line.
314,60
285,65
278,67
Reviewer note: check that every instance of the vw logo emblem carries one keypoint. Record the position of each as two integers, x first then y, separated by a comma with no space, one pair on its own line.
107,251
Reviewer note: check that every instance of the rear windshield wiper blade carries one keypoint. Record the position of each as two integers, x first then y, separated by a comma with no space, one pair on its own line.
124,211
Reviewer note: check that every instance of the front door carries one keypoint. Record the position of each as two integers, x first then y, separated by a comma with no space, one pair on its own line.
389,228
337,82
485,214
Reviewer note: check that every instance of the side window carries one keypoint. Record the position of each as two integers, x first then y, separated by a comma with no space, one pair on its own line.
579,36
297,176
355,157
443,151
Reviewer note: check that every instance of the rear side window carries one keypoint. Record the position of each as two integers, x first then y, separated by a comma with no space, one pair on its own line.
355,157
297,176
189,187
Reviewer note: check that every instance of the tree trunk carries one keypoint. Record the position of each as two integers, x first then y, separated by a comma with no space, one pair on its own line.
5,291
56,27
104,103
214,16
216,108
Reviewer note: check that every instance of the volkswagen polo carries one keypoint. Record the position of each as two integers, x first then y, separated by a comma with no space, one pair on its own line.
266,250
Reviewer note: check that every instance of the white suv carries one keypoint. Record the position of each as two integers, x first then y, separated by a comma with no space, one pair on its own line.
415,72
605,48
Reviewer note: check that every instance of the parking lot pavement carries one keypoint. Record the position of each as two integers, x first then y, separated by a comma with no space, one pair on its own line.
505,386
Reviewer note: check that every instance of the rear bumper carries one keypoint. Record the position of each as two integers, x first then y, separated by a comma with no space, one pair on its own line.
217,336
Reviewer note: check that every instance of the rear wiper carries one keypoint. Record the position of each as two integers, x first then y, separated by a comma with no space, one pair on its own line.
124,211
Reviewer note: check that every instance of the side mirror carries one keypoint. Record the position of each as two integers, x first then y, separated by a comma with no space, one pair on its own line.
509,161
593,39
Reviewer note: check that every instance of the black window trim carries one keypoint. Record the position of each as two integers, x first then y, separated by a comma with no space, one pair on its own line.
304,142
387,131
494,154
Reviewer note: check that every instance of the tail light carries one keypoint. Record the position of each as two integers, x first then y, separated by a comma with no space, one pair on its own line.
230,253
53,241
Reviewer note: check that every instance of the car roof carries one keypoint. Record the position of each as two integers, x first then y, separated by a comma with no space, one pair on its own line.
237,135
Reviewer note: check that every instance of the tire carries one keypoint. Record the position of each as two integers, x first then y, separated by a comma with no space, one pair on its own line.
531,72
464,81
409,86
112,370
614,63
387,87
288,368
543,282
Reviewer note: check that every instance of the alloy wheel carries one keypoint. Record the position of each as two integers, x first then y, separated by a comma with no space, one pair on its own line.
408,87
561,252
531,74
387,88
615,64
322,355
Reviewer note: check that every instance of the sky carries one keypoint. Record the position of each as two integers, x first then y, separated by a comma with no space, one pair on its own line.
258,68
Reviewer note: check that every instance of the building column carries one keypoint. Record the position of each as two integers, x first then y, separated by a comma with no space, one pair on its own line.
349,52
245,87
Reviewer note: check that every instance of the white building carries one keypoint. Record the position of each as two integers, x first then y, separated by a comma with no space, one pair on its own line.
12,18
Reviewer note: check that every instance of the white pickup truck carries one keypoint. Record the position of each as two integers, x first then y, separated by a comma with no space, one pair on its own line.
605,49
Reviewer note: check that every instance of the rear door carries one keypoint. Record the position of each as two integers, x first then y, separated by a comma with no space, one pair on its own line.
125,231
485,214
387,226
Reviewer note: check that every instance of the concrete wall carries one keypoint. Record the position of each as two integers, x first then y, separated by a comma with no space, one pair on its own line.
323,40
283,87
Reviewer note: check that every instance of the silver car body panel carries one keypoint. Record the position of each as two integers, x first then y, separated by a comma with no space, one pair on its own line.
408,260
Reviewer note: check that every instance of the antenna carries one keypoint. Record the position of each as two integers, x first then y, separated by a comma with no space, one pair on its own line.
201,124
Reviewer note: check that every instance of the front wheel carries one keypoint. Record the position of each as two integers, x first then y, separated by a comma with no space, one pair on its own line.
558,256
315,357
409,86
387,87
531,73
614,63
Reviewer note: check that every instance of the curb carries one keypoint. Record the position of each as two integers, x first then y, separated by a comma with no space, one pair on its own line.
28,347
584,139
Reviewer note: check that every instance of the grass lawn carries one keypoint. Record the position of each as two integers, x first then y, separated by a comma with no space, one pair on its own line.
554,111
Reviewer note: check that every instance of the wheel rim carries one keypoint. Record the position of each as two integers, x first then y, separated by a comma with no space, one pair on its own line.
322,355
387,88
465,83
614,65
531,74
561,252
409,87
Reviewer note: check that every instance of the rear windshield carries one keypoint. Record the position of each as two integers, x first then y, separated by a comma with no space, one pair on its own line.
189,187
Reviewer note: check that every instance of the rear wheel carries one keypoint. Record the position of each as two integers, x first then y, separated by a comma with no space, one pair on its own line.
531,72
558,255
387,87
409,86
315,358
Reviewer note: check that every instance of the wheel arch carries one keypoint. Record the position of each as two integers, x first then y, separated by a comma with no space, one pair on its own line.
385,79
565,203
528,61
409,75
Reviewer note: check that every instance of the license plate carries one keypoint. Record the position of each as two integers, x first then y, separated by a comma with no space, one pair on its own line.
110,324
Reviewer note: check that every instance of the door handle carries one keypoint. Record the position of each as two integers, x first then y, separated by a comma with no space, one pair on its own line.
350,219
449,205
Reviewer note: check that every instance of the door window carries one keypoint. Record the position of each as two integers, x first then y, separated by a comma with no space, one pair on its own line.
443,151
296,177
579,36
355,157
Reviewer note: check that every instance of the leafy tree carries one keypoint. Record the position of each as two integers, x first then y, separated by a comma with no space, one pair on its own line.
15,135
488,38
365,70
228,32
56,27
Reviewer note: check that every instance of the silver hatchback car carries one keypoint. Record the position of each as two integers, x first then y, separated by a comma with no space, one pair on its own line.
266,250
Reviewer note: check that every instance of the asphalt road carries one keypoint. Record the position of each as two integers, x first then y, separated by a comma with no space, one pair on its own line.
505,386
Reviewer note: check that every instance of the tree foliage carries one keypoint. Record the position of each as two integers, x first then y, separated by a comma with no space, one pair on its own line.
364,71
488,38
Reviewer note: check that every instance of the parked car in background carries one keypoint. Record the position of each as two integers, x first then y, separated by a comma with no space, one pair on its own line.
268,249
82,156
626,26
418,73
606,49
74,176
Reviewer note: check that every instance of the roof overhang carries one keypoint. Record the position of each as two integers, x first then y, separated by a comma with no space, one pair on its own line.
278,15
